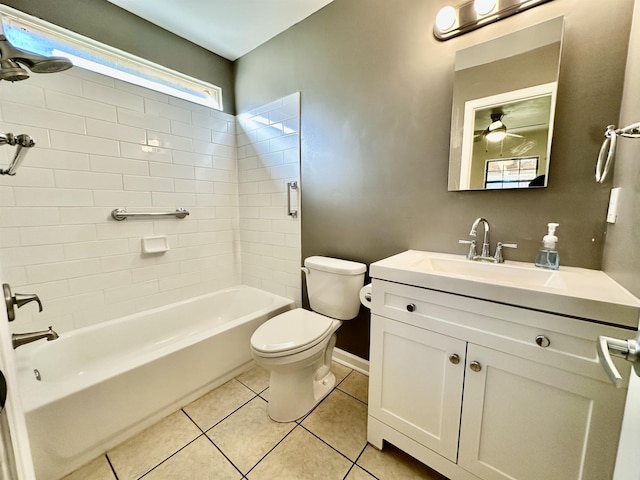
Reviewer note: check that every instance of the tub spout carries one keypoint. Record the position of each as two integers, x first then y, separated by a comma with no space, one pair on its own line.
19,339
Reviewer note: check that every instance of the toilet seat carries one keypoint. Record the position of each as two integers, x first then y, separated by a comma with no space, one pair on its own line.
291,332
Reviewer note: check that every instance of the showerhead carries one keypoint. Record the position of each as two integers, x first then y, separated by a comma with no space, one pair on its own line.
11,56
51,65
11,71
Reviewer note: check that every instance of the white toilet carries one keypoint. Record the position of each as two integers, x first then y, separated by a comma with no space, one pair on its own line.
297,346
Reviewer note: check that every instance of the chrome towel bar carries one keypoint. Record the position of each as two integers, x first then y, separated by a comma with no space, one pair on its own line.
122,214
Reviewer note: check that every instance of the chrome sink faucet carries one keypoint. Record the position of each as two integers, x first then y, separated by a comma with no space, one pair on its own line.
485,242
19,339
485,254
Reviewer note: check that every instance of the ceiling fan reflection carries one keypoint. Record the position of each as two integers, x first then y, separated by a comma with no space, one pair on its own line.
496,131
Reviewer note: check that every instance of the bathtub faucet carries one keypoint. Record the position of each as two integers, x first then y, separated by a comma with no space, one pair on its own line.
19,339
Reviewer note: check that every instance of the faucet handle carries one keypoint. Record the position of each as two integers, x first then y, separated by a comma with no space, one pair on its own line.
472,248
26,298
12,299
498,256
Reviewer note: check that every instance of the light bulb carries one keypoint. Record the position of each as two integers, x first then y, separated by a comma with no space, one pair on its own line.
497,135
482,7
446,18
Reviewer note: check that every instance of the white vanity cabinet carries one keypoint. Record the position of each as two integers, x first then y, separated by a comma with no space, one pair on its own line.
414,387
524,420
479,389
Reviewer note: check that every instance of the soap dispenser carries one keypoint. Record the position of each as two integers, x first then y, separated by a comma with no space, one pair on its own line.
548,256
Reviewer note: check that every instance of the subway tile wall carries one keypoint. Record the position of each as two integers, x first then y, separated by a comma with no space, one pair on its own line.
103,144
268,158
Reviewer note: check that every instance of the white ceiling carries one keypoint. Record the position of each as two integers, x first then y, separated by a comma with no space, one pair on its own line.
229,28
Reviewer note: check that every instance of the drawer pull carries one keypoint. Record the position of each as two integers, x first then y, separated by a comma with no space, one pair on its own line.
543,341
454,358
411,307
475,366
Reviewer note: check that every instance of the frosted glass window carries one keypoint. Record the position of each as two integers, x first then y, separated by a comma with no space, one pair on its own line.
35,35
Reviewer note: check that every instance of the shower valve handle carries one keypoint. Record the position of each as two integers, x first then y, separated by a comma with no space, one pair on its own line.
18,299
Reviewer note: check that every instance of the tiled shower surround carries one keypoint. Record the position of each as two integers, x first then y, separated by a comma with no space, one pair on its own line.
269,157
102,144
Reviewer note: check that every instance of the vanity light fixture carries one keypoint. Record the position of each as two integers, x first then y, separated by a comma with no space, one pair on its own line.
484,7
453,21
446,18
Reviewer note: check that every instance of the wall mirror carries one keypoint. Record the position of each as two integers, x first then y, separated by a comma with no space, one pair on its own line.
504,98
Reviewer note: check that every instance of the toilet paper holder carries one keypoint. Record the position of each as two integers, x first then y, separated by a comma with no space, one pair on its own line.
365,296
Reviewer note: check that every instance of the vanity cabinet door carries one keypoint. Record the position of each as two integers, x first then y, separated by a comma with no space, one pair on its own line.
415,380
522,420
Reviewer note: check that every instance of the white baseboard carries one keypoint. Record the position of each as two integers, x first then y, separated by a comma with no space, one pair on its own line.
350,360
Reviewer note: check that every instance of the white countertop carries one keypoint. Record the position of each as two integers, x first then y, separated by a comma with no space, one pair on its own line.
572,291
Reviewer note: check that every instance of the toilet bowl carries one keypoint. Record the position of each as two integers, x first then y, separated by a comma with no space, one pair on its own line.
297,346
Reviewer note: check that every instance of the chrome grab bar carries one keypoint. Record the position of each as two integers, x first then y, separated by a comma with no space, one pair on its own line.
291,186
22,142
122,214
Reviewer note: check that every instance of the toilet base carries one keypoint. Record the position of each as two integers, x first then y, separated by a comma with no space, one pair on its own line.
295,388
285,407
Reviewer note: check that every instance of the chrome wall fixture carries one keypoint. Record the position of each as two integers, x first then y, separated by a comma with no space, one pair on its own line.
13,61
13,64
122,214
608,149
292,212
22,142
453,21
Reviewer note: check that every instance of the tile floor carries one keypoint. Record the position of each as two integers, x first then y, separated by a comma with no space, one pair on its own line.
227,434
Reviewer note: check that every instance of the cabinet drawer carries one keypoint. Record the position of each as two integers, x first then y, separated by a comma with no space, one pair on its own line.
562,342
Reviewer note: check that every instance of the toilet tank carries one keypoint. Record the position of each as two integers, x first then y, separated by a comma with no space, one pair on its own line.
333,286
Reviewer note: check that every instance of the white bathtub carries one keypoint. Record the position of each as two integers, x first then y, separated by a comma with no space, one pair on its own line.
102,384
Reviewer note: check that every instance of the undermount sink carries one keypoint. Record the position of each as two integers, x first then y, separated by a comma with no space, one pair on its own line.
578,292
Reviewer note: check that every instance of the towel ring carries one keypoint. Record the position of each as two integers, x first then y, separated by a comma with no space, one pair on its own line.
608,148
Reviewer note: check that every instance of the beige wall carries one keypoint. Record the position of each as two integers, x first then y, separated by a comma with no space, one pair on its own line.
622,252
376,108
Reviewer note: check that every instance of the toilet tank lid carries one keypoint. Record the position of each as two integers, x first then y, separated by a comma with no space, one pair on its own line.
335,265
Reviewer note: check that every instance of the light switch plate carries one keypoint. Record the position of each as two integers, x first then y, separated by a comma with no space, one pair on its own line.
612,213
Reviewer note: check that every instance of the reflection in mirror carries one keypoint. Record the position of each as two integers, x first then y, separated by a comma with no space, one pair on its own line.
503,109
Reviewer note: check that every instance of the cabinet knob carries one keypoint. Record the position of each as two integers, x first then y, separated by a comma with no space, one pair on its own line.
454,358
411,307
543,341
475,366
